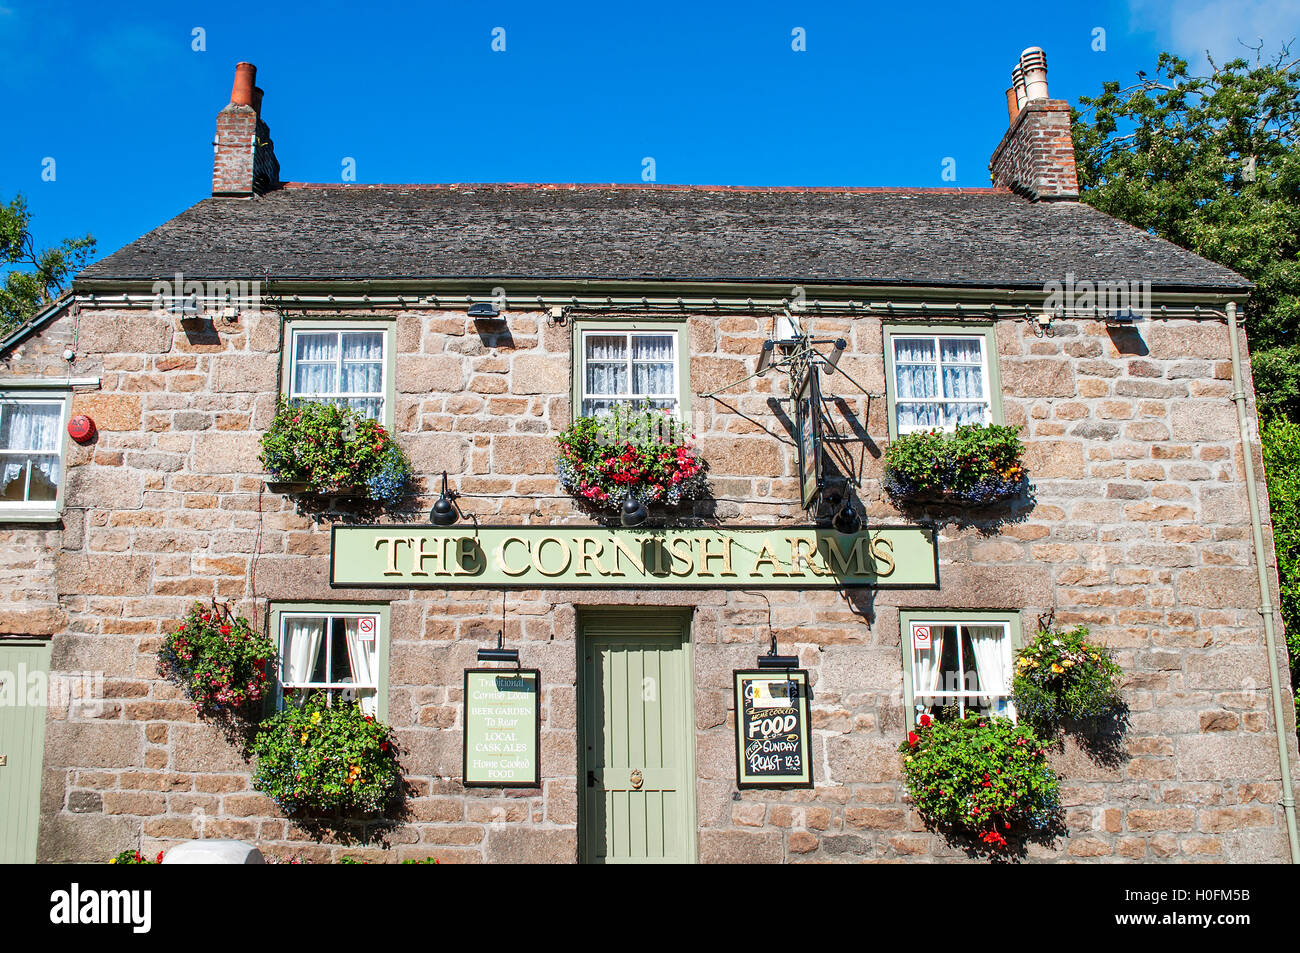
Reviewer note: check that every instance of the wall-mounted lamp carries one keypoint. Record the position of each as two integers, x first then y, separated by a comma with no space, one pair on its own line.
444,512
832,360
846,519
772,660
500,653
632,512
483,309
765,358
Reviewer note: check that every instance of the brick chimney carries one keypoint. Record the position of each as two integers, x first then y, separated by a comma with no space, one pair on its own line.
1036,156
244,160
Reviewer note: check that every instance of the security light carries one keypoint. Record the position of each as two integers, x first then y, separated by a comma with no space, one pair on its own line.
765,357
837,351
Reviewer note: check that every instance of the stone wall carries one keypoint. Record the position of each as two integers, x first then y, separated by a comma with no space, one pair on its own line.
1139,530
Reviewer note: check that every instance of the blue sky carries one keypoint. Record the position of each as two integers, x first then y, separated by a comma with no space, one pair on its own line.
117,97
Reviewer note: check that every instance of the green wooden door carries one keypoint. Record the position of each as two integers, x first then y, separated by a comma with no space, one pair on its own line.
637,765
22,746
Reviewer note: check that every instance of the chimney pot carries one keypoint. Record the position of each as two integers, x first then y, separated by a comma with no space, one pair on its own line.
1033,64
241,94
1013,106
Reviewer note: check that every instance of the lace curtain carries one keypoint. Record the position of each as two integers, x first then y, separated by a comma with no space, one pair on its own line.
928,387
328,364
29,451
618,367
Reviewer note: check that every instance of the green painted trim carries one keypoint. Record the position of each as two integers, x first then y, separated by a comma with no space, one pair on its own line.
54,512
907,616
985,328
349,323
382,609
679,325
22,741
674,621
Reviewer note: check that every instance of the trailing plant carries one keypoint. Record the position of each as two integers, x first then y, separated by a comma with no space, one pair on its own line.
630,452
1062,677
330,446
217,659
317,759
973,465
983,776
135,857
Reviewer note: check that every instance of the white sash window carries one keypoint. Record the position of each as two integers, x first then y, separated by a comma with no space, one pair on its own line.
629,368
31,443
940,381
960,665
335,653
344,366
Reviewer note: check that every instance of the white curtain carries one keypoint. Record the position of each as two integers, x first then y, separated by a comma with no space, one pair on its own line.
30,431
653,369
916,375
315,363
363,367
992,662
302,644
606,365
927,668
362,657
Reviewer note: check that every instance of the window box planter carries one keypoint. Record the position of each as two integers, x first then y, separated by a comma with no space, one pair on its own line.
324,449
973,466
630,456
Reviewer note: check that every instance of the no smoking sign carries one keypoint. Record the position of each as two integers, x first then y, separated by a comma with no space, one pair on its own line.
366,629
921,637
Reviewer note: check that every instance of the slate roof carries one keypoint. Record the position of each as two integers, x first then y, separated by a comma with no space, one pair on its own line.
941,237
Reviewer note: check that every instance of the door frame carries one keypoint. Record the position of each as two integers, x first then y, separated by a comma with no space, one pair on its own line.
662,621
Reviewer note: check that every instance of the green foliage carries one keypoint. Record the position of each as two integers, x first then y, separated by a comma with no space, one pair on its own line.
1280,445
135,857
353,860
25,292
217,659
1277,382
319,760
1062,677
980,775
1211,163
974,465
330,446
641,453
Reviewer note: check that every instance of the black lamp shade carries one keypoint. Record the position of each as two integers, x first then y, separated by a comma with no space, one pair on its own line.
632,512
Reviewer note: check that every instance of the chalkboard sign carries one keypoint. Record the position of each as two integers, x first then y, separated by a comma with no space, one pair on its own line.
772,719
502,728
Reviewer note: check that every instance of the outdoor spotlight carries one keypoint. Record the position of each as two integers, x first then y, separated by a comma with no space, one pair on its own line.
833,360
765,357
846,519
772,660
444,510
483,309
500,653
633,512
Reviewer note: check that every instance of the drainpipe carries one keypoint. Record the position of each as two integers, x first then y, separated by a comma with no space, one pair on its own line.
1265,607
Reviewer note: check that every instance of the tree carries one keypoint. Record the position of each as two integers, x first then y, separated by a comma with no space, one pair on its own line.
24,291
1211,163
1280,446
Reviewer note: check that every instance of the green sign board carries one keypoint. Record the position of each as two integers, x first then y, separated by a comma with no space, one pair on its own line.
532,557
772,729
502,728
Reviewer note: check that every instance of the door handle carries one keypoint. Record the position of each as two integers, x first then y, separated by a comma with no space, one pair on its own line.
591,779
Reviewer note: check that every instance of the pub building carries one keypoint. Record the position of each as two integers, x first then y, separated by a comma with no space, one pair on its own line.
564,682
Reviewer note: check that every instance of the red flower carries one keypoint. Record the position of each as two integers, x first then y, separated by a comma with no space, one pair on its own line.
925,721
913,738
225,630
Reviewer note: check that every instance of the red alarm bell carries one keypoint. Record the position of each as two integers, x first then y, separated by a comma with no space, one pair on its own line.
81,428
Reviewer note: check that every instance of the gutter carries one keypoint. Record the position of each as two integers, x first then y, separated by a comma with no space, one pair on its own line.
1265,606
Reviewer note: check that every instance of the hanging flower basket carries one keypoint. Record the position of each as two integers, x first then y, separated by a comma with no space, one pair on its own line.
982,777
973,466
329,450
1063,677
319,760
642,454
217,659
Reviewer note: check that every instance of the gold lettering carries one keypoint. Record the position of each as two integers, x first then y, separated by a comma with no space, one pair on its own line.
501,556
765,555
886,556
801,553
706,554
675,551
439,556
853,563
537,555
392,542
467,546
585,557
622,549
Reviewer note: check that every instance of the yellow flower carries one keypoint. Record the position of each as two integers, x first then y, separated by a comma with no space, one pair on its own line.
1057,669
304,737
112,860
315,718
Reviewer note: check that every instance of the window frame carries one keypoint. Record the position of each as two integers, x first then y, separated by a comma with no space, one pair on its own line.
278,612
40,511
342,326
578,366
1012,618
992,377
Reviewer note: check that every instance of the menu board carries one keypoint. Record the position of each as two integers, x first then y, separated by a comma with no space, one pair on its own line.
772,734
502,728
